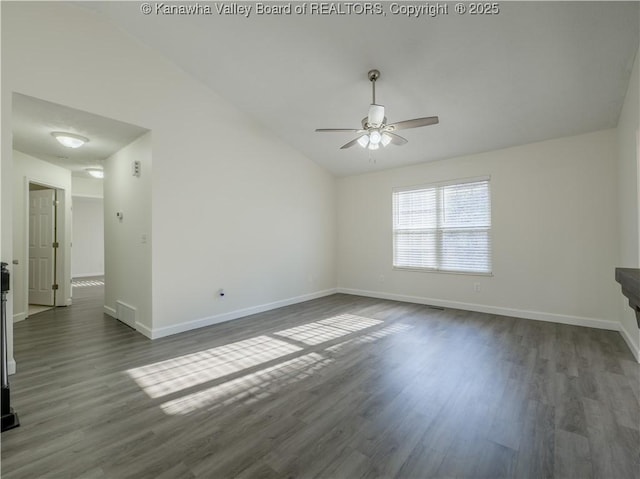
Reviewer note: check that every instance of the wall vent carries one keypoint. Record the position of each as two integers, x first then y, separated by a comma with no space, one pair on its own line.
126,314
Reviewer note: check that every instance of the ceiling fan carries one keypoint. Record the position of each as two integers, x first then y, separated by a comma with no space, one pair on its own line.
375,130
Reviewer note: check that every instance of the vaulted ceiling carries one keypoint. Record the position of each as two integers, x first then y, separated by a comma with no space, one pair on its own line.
534,71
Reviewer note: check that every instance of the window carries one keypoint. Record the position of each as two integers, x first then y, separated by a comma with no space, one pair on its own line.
443,227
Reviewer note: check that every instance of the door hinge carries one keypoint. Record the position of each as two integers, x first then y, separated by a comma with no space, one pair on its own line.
56,244
54,286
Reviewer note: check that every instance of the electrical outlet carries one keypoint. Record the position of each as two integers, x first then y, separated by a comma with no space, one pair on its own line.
476,287
381,278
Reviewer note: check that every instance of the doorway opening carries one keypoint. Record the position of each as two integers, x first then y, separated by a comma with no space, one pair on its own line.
44,237
87,258
41,162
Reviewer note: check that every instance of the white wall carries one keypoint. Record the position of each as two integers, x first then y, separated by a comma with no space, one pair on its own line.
629,196
233,206
87,251
127,255
554,224
87,187
88,227
29,169
6,197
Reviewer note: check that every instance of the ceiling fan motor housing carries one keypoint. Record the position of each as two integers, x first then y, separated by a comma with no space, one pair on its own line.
376,115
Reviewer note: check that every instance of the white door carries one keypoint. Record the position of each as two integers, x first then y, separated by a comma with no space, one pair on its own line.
42,220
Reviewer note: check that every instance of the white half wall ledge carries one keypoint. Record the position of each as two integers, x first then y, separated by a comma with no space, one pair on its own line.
501,311
19,317
11,366
237,314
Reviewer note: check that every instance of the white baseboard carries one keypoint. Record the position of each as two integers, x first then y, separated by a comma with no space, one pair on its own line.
156,333
482,308
86,275
11,366
110,311
144,329
19,317
634,346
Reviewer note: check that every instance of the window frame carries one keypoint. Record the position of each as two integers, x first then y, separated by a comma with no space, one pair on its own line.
439,229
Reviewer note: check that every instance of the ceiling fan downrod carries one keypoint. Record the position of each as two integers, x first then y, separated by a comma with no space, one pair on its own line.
373,76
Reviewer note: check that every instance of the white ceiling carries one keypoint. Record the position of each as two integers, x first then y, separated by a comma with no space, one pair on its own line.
536,71
33,121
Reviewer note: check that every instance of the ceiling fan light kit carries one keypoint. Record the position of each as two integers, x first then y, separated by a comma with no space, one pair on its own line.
375,130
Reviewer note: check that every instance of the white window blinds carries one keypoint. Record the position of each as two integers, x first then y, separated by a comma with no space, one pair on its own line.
443,227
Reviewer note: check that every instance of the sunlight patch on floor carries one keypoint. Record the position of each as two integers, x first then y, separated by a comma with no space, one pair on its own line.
213,365
318,332
250,388
172,375
84,283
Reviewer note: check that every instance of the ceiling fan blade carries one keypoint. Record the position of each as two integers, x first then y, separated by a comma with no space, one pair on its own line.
350,144
415,123
337,130
396,139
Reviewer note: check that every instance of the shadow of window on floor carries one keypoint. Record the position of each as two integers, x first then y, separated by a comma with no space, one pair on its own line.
292,355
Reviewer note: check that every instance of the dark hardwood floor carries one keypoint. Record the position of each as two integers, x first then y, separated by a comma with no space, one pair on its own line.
340,387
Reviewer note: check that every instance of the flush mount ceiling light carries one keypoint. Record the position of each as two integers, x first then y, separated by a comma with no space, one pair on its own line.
375,131
95,172
69,139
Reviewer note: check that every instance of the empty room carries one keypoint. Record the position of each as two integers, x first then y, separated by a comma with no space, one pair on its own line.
320,239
